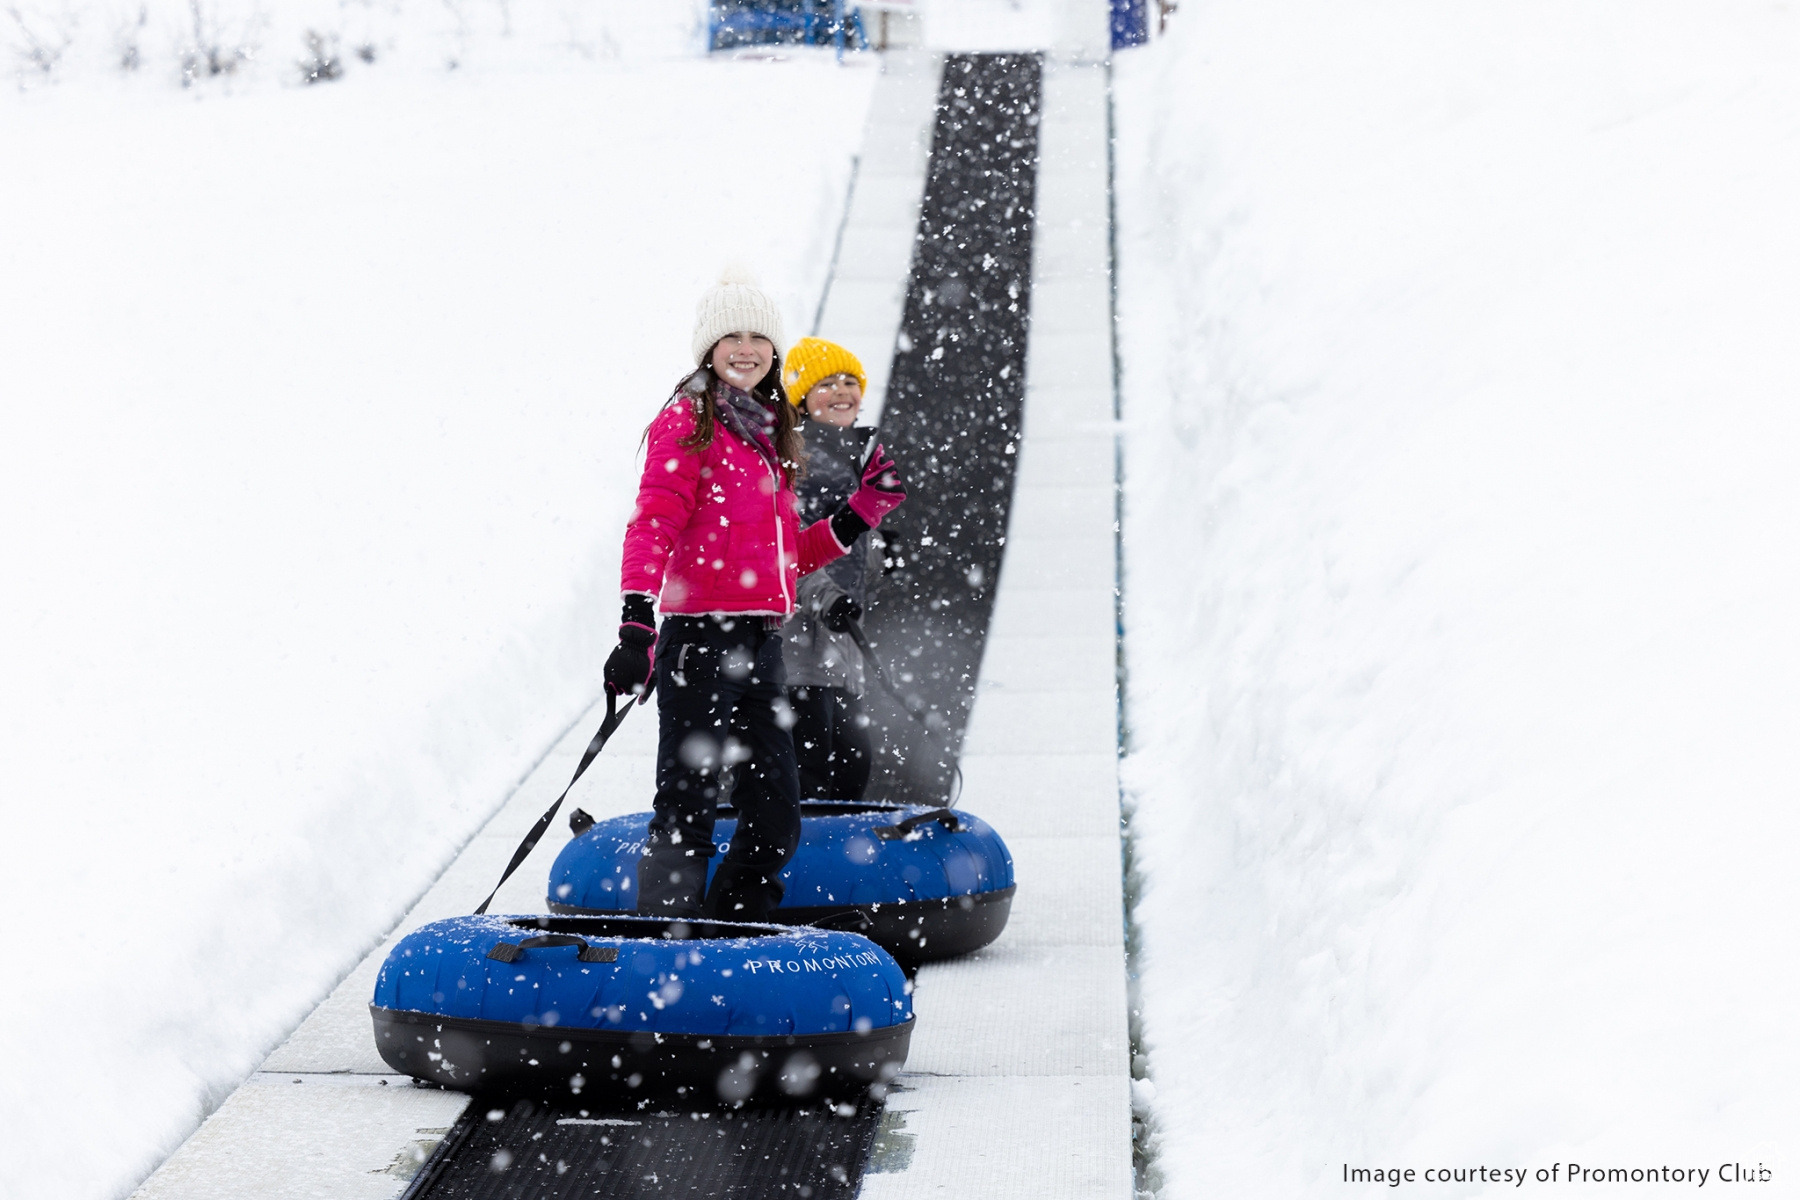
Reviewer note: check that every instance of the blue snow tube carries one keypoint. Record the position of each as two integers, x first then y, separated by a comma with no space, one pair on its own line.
626,1009
923,883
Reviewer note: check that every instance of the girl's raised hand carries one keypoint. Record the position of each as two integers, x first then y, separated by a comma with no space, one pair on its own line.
881,490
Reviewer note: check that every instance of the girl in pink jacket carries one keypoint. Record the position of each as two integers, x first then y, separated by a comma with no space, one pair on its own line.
716,543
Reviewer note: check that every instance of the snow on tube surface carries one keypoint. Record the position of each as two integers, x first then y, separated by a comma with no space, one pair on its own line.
628,1009
929,883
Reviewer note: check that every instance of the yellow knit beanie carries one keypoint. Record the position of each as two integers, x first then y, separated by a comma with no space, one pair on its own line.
811,359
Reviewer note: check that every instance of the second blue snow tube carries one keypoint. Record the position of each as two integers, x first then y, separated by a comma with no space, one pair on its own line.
923,883
625,1009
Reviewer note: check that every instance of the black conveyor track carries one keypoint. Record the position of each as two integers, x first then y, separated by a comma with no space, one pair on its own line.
953,414
521,1150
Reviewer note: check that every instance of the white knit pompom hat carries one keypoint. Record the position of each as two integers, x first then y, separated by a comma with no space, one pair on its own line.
735,304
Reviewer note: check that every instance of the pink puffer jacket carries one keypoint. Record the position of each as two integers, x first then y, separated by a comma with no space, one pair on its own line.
716,530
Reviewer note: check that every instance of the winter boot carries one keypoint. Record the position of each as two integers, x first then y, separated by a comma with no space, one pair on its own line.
745,891
671,878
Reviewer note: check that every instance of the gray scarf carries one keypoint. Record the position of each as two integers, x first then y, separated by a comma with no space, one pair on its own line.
747,417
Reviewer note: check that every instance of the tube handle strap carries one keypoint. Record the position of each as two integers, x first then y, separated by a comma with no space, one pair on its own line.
910,825
511,951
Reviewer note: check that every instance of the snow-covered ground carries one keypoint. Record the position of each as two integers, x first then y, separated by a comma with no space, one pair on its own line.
1462,389
252,44
1461,397
320,409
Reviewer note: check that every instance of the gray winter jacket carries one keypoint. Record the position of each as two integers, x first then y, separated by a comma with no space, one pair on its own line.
813,655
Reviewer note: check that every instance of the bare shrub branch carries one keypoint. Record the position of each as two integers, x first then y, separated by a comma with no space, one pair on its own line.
322,62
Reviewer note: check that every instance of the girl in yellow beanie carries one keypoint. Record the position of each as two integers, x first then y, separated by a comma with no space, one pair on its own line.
824,668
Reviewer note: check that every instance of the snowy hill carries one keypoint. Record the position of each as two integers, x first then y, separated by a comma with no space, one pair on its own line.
1460,378
321,410
237,45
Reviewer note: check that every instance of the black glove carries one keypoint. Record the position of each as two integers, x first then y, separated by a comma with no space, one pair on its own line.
842,611
847,525
630,670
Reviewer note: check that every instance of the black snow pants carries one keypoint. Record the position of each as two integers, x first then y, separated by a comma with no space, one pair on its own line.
719,698
832,743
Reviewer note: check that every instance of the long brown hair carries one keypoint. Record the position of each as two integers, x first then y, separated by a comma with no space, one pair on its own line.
790,444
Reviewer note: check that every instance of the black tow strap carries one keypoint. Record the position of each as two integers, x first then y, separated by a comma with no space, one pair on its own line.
614,718
854,628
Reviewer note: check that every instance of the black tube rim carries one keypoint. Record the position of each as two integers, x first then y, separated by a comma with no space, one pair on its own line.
806,915
634,1038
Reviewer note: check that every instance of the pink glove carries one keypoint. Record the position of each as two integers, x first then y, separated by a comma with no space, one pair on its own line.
881,491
